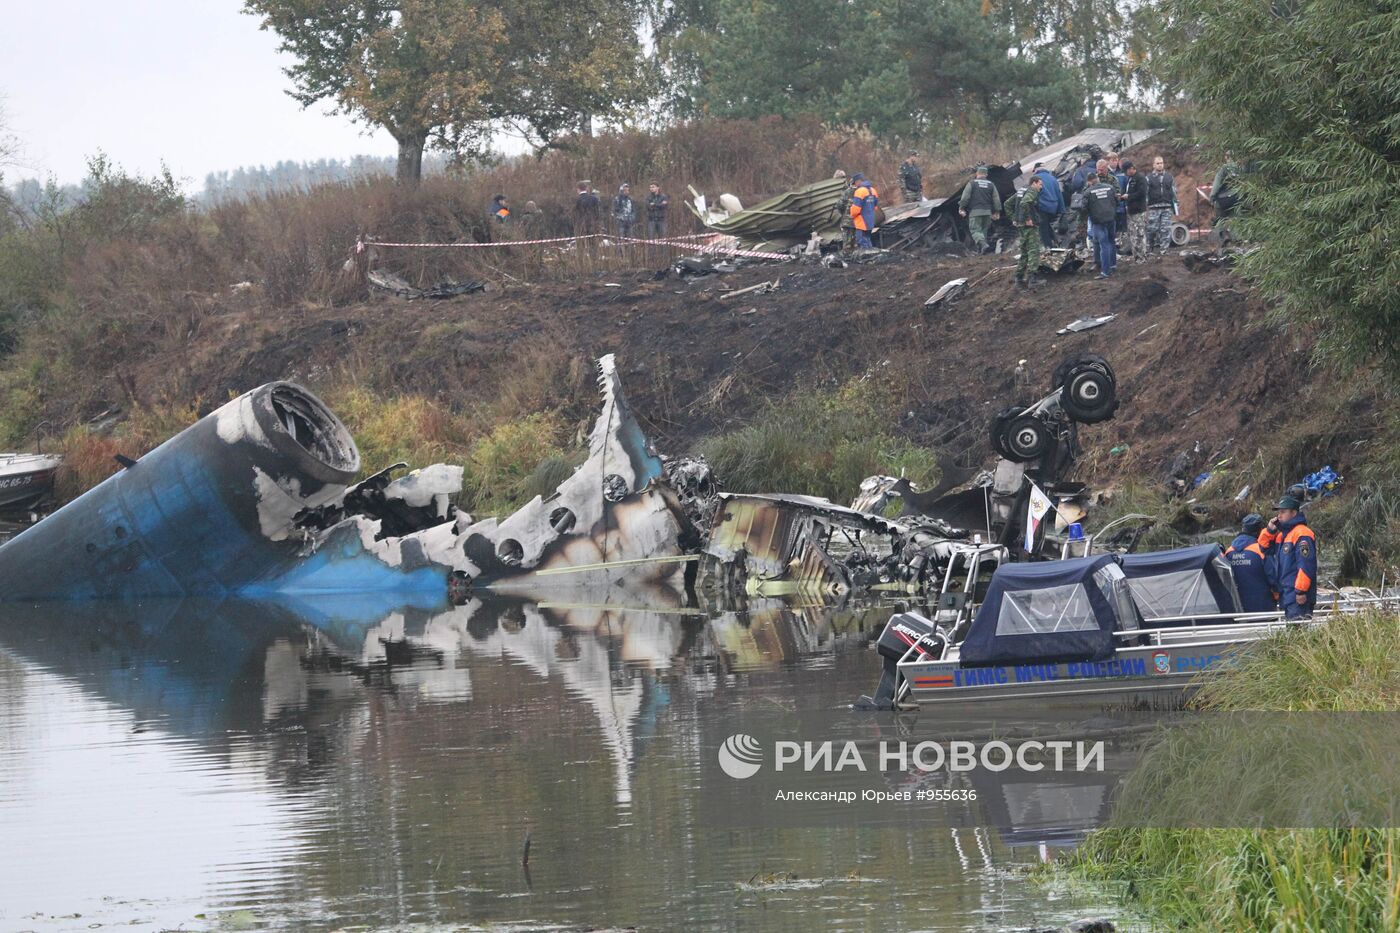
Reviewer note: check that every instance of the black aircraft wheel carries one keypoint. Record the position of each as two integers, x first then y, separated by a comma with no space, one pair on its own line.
1027,437
1000,421
1089,396
1072,363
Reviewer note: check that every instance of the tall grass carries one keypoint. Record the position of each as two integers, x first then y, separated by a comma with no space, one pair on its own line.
1276,879
502,459
818,444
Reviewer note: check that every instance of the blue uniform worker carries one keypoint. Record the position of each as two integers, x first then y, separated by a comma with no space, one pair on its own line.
1297,558
1253,568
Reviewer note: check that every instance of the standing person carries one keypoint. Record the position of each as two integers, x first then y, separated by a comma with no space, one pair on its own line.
1026,217
531,219
1120,178
624,210
1051,205
1253,567
864,199
848,229
911,178
1135,200
1297,558
1223,194
980,204
500,209
1161,206
586,210
1076,219
1101,203
658,206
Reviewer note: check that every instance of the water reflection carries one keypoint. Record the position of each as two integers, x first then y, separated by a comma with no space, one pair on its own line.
336,763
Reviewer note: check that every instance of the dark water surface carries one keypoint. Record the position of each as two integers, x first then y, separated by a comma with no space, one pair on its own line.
324,766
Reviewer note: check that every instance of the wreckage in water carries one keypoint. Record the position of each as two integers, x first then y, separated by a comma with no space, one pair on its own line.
258,498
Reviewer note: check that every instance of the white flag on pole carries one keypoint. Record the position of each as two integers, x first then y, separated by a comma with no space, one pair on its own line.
1036,508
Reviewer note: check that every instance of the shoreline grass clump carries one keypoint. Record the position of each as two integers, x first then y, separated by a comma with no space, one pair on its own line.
1268,879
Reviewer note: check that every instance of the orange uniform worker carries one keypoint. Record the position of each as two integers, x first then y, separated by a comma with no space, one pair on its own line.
864,200
1297,558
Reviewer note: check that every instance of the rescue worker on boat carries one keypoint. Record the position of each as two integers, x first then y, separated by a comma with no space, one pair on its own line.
864,200
1297,558
1253,567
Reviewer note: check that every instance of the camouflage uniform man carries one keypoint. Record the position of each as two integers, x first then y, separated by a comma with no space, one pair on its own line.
1026,216
911,178
1161,206
980,204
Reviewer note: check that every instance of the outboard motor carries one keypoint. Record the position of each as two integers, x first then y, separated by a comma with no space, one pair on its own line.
905,634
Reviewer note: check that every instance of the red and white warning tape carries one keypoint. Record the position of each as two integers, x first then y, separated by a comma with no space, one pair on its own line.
684,242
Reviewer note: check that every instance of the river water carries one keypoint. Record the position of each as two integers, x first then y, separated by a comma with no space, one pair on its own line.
334,765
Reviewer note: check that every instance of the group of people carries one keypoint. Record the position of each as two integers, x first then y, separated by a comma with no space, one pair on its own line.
1275,564
1104,197
624,212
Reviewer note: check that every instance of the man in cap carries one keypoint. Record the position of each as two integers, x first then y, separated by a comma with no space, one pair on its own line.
980,204
1297,558
1026,218
500,209
1101,204
1253,566
911,178
864,199
624,210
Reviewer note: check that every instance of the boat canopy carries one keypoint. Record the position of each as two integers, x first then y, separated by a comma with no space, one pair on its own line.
1183,582
1049,612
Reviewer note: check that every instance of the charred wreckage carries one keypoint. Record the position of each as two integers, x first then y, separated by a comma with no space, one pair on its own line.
259,499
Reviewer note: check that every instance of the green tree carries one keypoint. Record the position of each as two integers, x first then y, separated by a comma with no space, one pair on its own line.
443,72
974,76
765,57
569,64
421,69
1309,95
899,67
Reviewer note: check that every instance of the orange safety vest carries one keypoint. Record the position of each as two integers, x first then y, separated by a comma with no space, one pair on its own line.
503,213
857,196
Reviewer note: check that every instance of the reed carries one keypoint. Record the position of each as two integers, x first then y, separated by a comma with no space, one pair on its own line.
1264,879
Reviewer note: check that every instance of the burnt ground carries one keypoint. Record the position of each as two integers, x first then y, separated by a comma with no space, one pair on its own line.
1192,350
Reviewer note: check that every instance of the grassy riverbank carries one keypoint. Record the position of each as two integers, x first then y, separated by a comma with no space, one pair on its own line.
1273,879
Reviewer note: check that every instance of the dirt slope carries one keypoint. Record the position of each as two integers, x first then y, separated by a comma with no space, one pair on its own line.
1197,364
